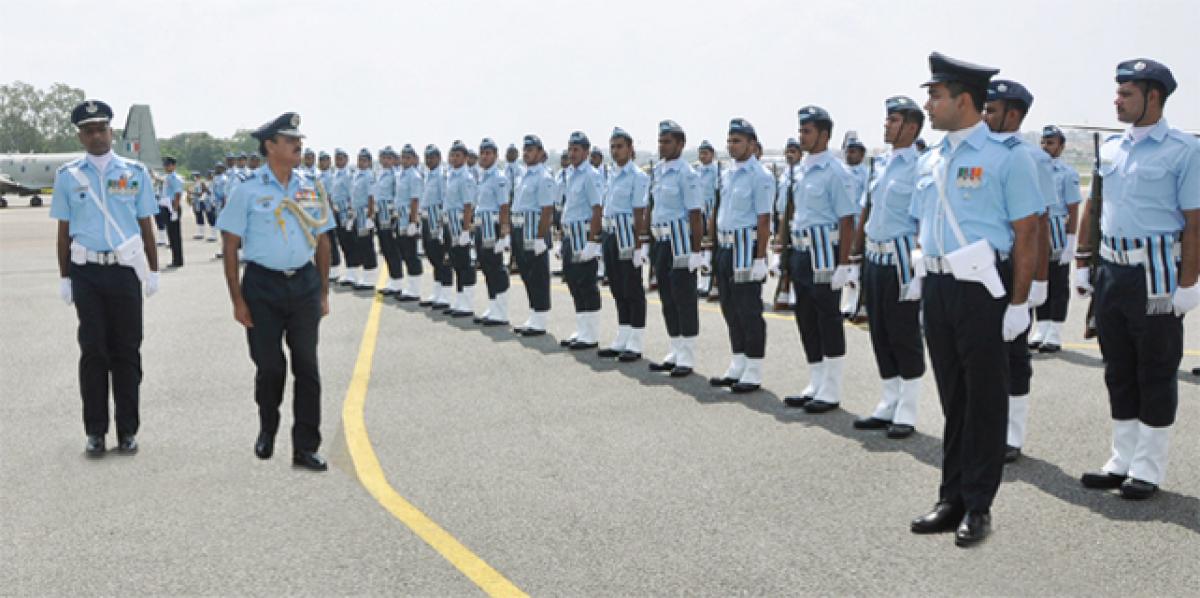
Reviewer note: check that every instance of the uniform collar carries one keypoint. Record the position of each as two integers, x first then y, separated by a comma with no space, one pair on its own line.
669,165
751,161
268,176
813,161
535,169
1157,132
975,135
107,160
628,167
907,154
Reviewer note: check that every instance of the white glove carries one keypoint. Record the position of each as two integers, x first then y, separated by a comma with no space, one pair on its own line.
174,216
412,229
1083,281
370,224
1186,299
914,290
706,264
591,251
695,260
464,238
758,270
348,224
773,269
1038,292
539,246
151,283
640,256
1016,321
842,276
64,290
501,244
1068,252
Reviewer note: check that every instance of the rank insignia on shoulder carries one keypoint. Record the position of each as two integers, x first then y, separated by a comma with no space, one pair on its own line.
969,176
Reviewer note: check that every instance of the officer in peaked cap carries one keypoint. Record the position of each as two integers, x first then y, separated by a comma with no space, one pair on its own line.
339,196
386,220
281,222
104,267
1149,219
975,283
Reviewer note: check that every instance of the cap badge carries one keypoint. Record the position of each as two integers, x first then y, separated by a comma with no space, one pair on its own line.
295,122
1139,66
91,108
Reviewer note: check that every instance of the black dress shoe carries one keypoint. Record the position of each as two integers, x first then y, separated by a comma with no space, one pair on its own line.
665,366
566,342
1101,480
797,402
127,445
95,446
385,292
608,352
438,306
424,303
309,460
491,322
743,387
461,314
1034,346
871,423
1011,454
898,431
974,528
264,446
1135,489
402,298
1049,348
580,346
477,319
943,518
722,382
815,406
531,332
346,283
681,371
447,311
629,356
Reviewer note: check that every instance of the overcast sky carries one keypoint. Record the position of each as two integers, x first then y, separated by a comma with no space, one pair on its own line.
374,73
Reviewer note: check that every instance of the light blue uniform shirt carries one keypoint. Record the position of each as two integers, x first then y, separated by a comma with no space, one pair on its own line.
1045,168
584,191
1148,184
1066,188
785,182
747,190
251,215
708,184
340,189
435,188
126,190
385,189
514,172
408,186
676,192
859,173
461,188
493,190
823,193
891,197
326,179
988,185
536,190
218,187
626,190
360,189
172,185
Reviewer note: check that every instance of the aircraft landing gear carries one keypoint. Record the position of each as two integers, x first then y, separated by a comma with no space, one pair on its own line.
35,202
3,202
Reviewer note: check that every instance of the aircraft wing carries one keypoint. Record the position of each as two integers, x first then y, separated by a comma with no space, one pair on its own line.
7,185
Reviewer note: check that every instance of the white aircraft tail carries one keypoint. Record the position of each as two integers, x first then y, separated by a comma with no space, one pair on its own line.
138,140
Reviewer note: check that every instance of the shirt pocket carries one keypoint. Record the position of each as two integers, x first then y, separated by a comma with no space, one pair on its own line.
1154,183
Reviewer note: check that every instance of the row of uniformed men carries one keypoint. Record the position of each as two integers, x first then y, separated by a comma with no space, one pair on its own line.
958,228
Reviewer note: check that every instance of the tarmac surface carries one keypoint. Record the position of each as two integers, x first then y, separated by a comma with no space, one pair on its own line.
567,474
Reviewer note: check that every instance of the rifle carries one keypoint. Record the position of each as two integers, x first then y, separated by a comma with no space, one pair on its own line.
859,316
653,284
1095,199
785,243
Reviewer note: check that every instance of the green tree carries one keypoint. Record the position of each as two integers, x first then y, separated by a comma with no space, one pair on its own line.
37,121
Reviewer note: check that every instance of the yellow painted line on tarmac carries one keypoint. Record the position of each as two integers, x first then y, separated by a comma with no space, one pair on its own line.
370,473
